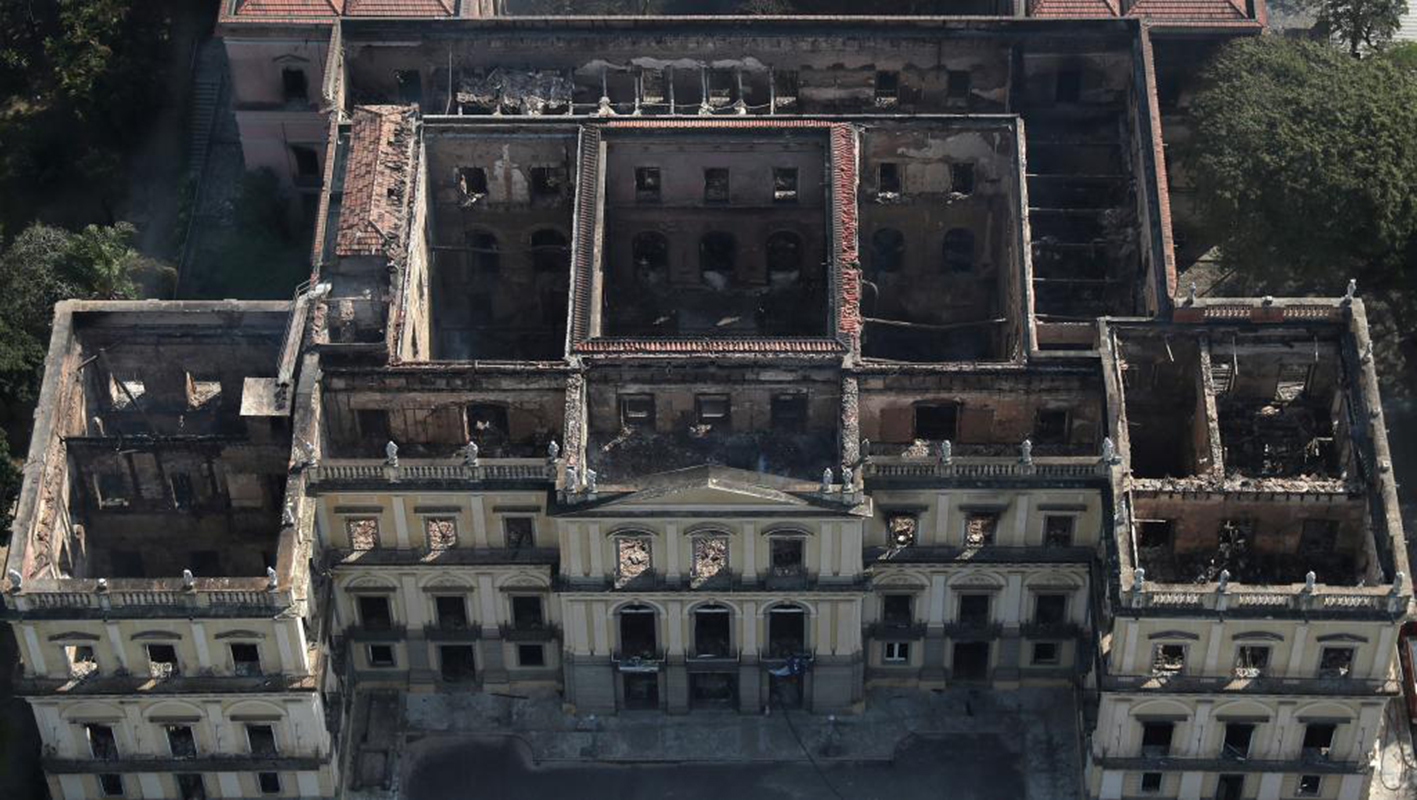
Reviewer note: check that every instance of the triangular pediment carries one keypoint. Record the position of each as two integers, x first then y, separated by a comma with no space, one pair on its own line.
713,486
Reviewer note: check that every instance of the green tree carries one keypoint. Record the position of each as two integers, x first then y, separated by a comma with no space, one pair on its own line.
105,263
1359,24
1305,163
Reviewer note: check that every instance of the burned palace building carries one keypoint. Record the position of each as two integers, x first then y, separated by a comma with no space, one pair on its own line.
678,364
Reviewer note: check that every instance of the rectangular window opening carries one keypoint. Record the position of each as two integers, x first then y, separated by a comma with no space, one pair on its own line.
381,655
548,182
637,410
181,742
888,178
712,409
1050,426
789,412
1336,662
527,614
520,532
1045,653
102,744
647,184
262,739
162,661
980,527
1058,530
451,612
1251,660
1168,659
111,784
440,532
957,84
887,87
1156,739
962,177
269,782
784,184
246,660
375,613
716,185
472,182
897,652
531,655
974,609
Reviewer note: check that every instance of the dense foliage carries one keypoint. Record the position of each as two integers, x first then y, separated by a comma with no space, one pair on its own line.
1305,162
1361,25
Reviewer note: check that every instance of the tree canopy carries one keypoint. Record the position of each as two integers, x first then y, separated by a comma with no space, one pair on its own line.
1359,24
1305,162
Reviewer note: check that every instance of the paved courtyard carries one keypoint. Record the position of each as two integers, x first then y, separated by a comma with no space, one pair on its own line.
959,744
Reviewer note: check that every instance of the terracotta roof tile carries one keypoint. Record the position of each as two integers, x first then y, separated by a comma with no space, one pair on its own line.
378,182
1073,8
298,10
400,8
1188,9
709,345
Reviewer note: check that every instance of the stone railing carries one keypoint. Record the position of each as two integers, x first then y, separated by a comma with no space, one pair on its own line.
1299,598
431,471
986,468
231,595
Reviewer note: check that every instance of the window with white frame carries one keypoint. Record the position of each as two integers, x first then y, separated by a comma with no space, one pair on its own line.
896,652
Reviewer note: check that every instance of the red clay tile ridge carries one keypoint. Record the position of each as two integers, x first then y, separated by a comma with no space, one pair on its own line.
400,8
378,182
1073,8
1209,10
281,10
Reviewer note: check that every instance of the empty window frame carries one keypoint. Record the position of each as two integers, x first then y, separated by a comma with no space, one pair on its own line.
898,610
974,609
1336,662
784,184
548,182
1050,426
1168,659
896,652
1251,660
962,177
936,421
363,532
261,738
712,409
957,250
632,558
181,741
637,410
1318,740
484,252
112,489
887,89
81,659
191,786
1153,533
902,528
887,250
958,83
102,744
182,491
487,424
1050,609
111,784
647,185
381,656
649,251
375,613
888,178
307,161
789,412
784,252
1236,743
1151,782
786,85
786,556
718,252
268,782
162,661
1044,653
716,185
531,655
520,532
710,554
1156,738
373,424
787,631
440,533
1309,786
451,611
528,612
980,528
713,631
1058,530
472,182
457,663
245,659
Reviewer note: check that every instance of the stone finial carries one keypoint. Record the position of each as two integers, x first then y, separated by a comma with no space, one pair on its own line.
573,479
287,512
553,450
826,480
1367,354
1398,579
469,453
848,480
1138,578
1310,579
1025,452
391,454
1191,294
102,585
15,579
590,480
1109,451
1224,582
189,581
1267,300
1352,290
865,449
271,578
947,451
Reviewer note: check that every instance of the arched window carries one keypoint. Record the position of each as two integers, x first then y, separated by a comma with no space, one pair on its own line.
959,250
717,252
713,631
549,252
710,551
639,632
787,630
784,252
650,251
887,250
484,252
